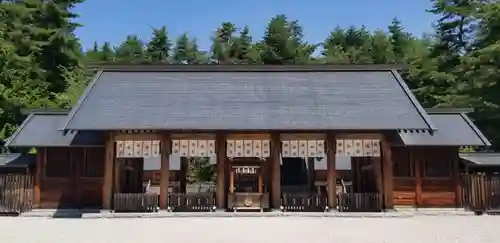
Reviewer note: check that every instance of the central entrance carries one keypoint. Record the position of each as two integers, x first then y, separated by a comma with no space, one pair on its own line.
247,191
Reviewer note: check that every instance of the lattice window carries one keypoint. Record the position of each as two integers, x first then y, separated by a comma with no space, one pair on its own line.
436,165
58,163
402,164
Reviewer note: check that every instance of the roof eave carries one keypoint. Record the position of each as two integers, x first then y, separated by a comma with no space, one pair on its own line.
448,110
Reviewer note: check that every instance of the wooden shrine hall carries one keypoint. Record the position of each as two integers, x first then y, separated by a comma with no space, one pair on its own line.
348,131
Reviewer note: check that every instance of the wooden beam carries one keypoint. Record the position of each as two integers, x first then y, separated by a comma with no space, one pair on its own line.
302,136
220,145
374,136
248,136
275,171
107,186
193,136
331,171
388,179
122,136
165,151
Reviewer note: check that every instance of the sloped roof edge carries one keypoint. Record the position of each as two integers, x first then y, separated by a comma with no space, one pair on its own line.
414,101
475,129
81,100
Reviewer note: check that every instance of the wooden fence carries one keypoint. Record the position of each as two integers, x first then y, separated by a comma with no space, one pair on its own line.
359,202
481,193
135,202
191,202
16,193
303,202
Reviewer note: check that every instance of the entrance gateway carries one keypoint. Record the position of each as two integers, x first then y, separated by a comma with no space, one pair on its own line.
413,153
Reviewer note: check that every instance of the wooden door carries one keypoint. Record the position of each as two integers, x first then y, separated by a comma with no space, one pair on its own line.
89,176
57,182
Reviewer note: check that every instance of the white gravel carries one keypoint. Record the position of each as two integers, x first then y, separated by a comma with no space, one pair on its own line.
420,229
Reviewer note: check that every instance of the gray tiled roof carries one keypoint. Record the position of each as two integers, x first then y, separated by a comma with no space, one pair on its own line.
257,100
482,158
40,129
454,129
17,160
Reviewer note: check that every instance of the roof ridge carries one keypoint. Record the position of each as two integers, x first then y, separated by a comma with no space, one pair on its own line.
245,68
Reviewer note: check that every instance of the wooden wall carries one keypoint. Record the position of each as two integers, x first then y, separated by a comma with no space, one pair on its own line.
70,177
426,176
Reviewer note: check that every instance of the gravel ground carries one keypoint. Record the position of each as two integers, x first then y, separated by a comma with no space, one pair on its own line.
420,229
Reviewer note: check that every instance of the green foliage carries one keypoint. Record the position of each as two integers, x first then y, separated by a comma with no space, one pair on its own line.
199,170
456,65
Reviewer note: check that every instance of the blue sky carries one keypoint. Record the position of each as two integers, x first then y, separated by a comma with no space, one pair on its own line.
112,20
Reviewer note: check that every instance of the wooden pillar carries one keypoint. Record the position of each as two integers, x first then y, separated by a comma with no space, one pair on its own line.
415,160
116,175
39,169
310,174
107,186
165,151
331,171
275,171
183,174
220,194
377,165
456,176
387,174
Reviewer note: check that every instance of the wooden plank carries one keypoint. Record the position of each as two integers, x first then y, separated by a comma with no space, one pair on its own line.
302,136
220,145
107,187
275,171
121,136
249,136
387,168
193,136
165,170
331,171
359,136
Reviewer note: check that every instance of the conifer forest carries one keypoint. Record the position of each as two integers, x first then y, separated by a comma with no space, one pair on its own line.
456,65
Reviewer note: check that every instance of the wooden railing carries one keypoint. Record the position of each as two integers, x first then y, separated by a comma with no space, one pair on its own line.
359,202
135,202
191,202
303,202
16,193
481,193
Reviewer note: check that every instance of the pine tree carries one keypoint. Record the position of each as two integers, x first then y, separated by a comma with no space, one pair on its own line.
131,50
399,40
283,44
158,49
